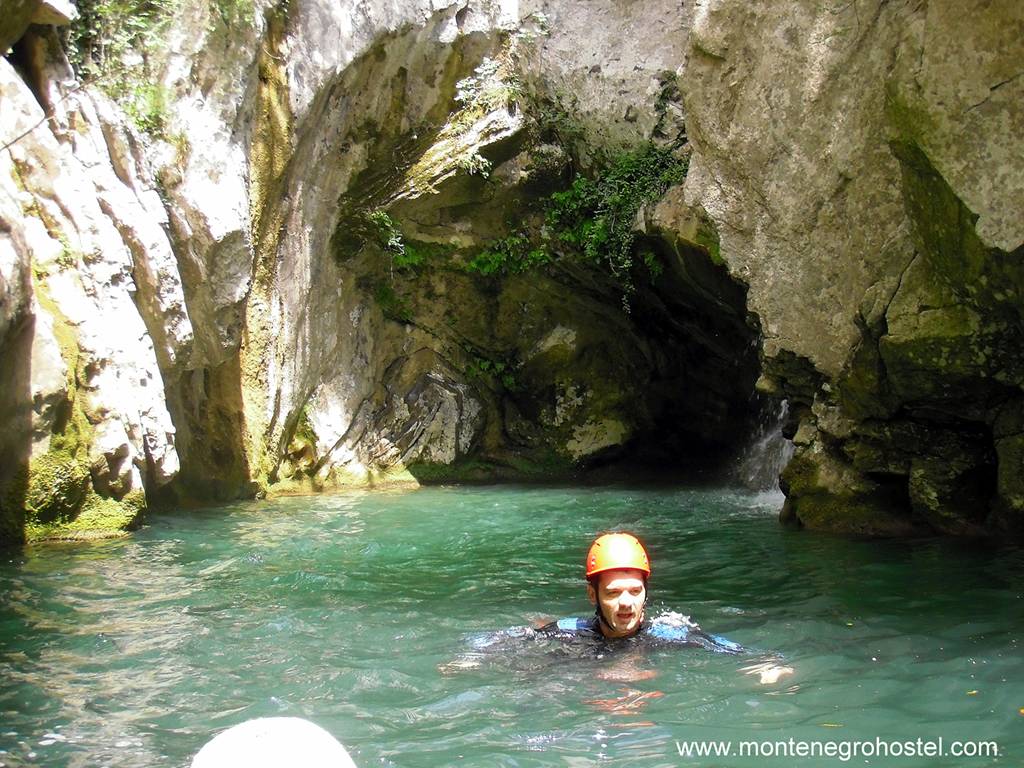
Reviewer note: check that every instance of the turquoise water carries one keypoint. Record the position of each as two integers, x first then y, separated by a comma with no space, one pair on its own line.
349,610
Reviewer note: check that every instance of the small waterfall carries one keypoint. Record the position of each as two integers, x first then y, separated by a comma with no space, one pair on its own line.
767,452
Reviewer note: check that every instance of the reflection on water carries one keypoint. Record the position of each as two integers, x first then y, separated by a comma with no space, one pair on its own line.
350,610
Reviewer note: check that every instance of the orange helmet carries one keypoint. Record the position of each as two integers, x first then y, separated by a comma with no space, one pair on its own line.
617,550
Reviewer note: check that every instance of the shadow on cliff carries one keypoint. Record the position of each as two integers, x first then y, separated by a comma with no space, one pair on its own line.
208,412
16,435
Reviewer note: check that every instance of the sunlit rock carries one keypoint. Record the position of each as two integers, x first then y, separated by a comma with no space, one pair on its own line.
333,258
98,400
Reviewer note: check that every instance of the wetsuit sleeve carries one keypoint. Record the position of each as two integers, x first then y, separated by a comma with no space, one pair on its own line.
694,636
716,643
571,626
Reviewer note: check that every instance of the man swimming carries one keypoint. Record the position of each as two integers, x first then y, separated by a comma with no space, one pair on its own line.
617,570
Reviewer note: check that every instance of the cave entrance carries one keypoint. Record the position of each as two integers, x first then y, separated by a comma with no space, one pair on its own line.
574,377
508,319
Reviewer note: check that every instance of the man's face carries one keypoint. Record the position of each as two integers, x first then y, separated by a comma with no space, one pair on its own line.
621,594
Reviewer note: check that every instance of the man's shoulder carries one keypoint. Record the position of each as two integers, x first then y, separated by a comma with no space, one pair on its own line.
676,628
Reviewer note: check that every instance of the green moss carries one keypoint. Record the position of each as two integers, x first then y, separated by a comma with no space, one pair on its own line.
945,228
956,324
269,155
394,306
270,147
862,387
706,236
301,453
99,518
304,431
907,124
57,487
824,495
469,470
421,253
542,464
12,506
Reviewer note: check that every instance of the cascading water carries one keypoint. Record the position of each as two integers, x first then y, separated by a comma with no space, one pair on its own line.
767,453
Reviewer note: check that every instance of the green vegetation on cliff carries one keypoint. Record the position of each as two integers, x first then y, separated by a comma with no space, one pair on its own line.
598,216
109,44
593,220
58,496
116,44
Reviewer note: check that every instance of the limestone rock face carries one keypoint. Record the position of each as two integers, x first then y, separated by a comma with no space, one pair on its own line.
862,168
16,353
17,15
92,425
286,288
612,67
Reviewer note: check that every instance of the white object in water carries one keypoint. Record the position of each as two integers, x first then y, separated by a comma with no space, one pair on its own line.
273,742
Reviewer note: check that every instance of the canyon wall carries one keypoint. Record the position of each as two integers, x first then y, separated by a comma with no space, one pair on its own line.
337,259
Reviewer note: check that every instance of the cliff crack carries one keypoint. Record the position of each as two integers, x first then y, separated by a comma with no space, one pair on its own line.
992,89
899,285
48,116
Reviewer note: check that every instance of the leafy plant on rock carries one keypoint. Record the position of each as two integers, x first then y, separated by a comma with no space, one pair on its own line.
110,43
389,238
510,255
594,220
597,216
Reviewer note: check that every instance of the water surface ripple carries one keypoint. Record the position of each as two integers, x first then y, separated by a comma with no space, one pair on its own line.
349,610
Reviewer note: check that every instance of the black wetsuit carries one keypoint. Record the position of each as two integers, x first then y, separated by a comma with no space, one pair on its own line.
673,629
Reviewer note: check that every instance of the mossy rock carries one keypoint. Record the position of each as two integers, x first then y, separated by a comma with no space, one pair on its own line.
100,518
823,493
533,466
467,471
57,488
12,507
